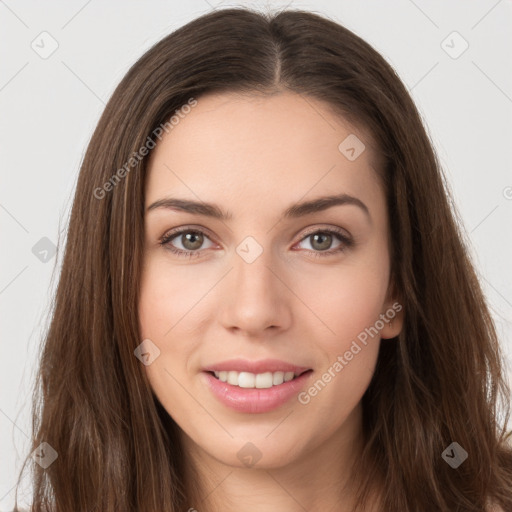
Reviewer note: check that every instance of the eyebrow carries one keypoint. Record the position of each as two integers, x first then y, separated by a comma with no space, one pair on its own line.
294,211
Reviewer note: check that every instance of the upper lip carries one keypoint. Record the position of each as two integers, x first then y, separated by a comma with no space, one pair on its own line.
261,366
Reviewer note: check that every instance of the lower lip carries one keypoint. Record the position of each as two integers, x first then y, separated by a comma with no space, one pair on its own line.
254,400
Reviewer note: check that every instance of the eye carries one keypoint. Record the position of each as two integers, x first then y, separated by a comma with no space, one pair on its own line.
191,241
321,240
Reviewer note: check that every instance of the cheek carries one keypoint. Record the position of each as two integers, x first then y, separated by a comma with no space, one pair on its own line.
347,299
349,305
166,297
163,302
159,313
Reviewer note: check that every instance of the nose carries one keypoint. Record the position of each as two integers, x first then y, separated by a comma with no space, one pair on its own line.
255,297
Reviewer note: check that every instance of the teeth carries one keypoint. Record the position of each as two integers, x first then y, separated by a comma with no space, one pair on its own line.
277,378
255,380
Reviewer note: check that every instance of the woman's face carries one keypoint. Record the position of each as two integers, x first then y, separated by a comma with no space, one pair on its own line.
285,286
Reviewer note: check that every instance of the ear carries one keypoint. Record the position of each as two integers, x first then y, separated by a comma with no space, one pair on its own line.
393,313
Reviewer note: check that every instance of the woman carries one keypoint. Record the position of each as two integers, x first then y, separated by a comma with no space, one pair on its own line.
265,300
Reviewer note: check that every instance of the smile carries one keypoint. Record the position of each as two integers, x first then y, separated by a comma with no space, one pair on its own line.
255,380
255,386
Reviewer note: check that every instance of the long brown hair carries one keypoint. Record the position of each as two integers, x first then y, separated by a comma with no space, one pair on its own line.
440,381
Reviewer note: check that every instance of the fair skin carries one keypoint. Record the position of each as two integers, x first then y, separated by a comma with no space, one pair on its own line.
255,156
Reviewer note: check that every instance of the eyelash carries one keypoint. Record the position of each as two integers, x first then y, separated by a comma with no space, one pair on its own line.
346,242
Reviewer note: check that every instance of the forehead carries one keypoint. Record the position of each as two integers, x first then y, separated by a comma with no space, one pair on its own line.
246,150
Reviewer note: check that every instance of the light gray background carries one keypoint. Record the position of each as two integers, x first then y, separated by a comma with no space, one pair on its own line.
49,108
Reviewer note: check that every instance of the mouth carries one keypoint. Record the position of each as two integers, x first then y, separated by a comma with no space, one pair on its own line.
250,380
255,386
